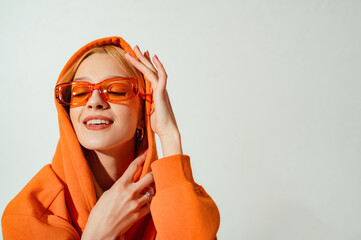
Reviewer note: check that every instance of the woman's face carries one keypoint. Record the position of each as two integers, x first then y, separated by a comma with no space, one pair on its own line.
123,118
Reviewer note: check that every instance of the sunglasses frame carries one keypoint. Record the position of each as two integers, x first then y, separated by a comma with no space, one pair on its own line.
96,86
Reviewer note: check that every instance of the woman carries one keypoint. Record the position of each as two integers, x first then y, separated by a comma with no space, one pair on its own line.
105,180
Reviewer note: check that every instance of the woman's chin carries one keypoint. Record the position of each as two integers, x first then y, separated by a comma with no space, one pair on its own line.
101,144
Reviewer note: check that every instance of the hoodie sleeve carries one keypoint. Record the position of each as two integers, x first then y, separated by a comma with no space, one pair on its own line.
181,209
18,226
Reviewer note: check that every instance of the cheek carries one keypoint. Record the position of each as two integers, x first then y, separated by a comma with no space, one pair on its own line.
128,114
74,115
128,117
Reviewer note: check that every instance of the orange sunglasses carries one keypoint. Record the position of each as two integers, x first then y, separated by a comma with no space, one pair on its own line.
114,90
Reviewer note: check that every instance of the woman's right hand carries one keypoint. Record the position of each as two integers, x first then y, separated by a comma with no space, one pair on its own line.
120,206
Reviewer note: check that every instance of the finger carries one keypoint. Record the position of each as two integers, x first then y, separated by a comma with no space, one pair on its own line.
144,199
144,182
162,82
140,212
148,73
151,191
132,169
143,210
146,55
143,59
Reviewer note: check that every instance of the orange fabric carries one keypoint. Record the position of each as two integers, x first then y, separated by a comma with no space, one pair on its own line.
56,203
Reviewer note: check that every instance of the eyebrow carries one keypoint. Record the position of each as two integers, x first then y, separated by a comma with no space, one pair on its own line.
86,78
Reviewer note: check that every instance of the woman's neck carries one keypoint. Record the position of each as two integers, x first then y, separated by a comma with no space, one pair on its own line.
109,165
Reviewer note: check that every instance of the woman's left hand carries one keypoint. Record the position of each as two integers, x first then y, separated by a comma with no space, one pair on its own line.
162,120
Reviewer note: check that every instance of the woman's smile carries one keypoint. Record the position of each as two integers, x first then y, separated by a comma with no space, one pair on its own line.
97,122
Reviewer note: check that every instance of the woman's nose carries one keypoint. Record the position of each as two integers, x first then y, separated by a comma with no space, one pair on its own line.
96,101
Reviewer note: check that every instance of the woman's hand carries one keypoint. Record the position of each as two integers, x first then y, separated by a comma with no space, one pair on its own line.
120,206
162,120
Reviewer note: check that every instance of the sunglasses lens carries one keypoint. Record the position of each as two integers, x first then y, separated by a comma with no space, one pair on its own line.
73,94
119,91
77,93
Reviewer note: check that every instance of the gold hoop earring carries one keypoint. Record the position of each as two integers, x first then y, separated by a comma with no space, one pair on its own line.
140,133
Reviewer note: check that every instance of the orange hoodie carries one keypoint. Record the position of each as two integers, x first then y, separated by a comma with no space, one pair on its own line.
57,201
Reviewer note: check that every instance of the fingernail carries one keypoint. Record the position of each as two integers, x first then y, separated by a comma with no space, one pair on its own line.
156,56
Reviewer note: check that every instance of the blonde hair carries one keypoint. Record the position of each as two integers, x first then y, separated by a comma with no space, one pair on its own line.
118,54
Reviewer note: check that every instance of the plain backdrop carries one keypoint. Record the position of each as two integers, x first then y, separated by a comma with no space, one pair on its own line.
267,96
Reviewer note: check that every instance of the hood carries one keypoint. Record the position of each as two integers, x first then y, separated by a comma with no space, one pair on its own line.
69,162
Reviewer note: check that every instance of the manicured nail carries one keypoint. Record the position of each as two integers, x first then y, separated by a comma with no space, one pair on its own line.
156,56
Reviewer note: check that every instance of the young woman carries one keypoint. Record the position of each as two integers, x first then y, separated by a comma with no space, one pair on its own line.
105,180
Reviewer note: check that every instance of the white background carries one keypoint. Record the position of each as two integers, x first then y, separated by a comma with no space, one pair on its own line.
267,95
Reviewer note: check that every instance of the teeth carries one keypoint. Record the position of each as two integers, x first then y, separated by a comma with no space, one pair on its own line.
96,121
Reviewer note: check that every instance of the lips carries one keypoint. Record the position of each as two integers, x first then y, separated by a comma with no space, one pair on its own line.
97,122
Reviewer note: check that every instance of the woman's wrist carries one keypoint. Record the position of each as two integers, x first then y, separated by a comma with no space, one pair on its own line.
93,233
171,144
